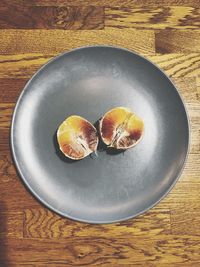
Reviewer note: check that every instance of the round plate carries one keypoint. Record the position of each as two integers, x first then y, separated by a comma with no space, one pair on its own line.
113,186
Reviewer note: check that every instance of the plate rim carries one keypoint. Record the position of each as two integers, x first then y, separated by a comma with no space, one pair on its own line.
37,196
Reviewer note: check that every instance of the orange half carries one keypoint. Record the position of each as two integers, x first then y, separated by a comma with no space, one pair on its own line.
121,128
77,137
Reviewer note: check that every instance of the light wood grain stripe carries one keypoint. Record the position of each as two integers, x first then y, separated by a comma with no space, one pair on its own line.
169,41
57,41
178,65
51,17
151,17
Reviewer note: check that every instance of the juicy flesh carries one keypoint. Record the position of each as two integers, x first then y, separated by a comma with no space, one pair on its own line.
120,128
77,137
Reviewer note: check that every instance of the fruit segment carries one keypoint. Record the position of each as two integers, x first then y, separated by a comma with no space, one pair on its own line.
120,128
77,137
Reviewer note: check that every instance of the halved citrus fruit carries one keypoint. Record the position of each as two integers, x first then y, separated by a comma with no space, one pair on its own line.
121,128
77,137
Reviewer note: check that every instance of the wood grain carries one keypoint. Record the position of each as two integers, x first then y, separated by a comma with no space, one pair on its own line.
148,264
170,41
95,251
151,17
51,17
7,169
40,223
194,134
185,218
192,169
178,65
14,224
185,190
194,119
110,3
21,65
57,41
168,33
6,110
187,87
4,141
11,89
19,196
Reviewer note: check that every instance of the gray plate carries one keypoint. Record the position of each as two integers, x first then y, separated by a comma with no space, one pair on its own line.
115,186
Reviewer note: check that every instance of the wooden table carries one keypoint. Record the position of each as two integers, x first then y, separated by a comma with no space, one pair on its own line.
166,32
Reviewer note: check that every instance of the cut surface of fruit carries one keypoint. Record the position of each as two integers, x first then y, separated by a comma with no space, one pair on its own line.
121,128
77,137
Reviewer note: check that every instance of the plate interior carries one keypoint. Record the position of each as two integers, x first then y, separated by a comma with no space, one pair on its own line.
113,186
